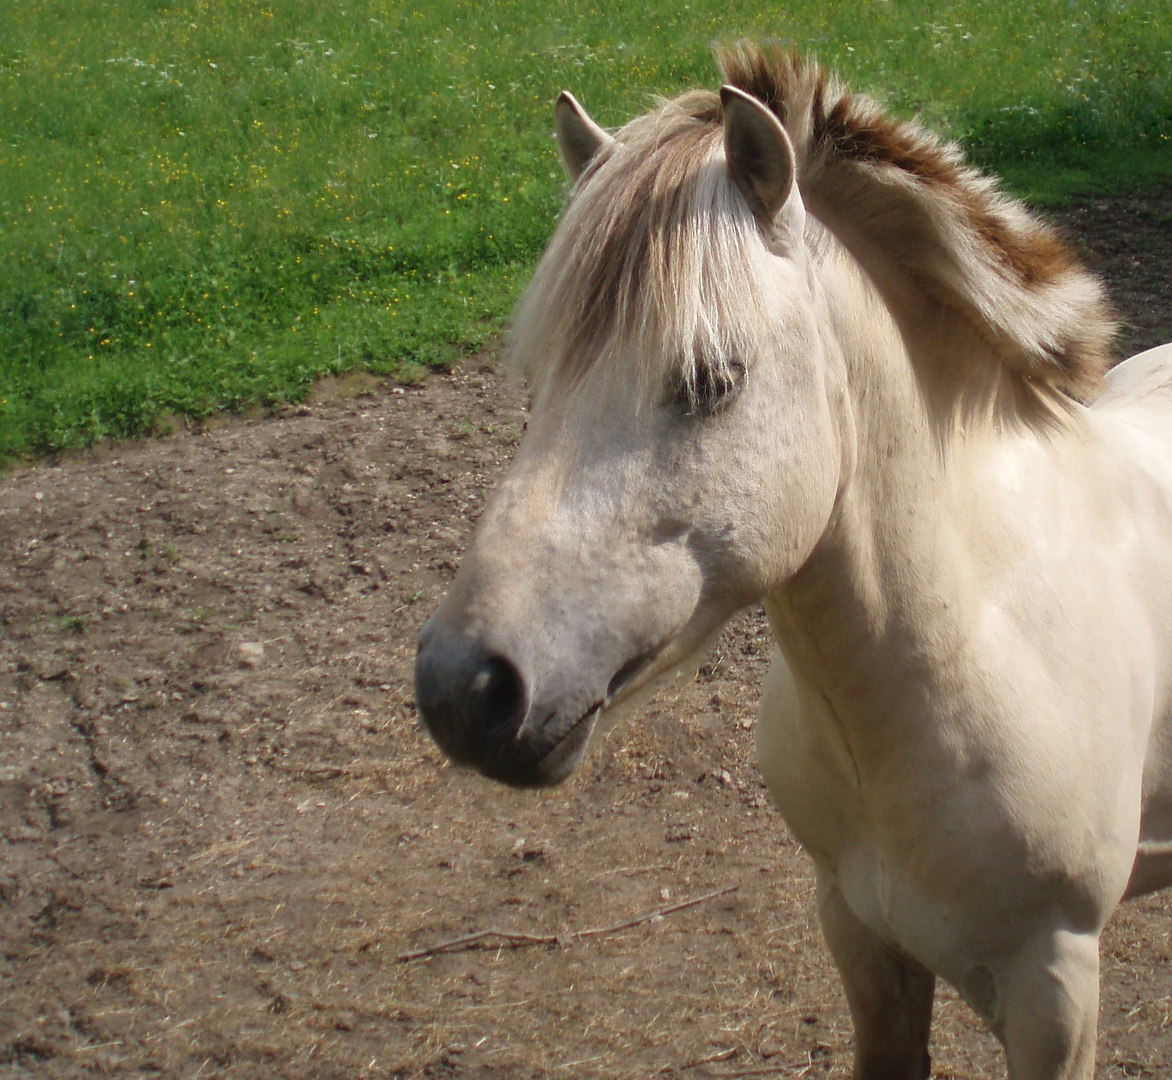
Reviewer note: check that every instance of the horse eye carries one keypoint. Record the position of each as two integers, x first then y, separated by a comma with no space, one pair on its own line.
709,388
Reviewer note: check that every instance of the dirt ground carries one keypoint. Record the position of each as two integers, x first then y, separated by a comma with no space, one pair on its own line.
221,828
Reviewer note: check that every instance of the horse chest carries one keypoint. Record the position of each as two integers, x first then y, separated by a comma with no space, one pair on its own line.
814,782
921,860
811,773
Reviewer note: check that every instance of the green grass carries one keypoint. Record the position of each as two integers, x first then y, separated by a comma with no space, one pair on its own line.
207,206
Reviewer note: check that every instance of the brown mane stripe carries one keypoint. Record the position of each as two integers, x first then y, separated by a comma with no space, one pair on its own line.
852,131
864,135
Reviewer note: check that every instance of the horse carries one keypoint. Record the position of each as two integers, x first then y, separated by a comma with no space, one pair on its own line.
785,348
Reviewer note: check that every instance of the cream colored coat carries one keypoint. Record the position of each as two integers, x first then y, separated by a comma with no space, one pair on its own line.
820,362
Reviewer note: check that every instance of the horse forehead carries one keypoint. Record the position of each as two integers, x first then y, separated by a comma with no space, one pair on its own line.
656,266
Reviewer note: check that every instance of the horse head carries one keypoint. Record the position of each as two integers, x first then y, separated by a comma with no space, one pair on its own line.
686,440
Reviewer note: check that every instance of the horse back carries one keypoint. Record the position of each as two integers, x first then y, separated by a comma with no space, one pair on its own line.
1137,404
1145,378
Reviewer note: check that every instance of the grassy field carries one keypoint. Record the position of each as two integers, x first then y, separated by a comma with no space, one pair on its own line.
207,205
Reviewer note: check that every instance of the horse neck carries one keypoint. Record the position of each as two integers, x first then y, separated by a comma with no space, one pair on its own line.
882,587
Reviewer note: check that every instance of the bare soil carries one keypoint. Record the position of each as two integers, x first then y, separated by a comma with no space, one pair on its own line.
221,828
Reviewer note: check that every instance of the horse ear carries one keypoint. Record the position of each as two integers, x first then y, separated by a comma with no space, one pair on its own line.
579,137
759,153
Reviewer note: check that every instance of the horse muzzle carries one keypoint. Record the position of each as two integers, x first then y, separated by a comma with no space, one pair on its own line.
480,708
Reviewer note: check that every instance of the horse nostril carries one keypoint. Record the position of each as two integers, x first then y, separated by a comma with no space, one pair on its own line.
472,700
496,702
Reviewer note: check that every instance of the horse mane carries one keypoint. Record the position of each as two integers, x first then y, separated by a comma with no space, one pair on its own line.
660,252
894,192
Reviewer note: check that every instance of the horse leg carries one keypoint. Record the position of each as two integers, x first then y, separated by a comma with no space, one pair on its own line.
1050,1008
889,994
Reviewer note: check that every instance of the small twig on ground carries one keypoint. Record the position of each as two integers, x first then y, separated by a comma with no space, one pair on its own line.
711,1059
468,940
458,944
766,1070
